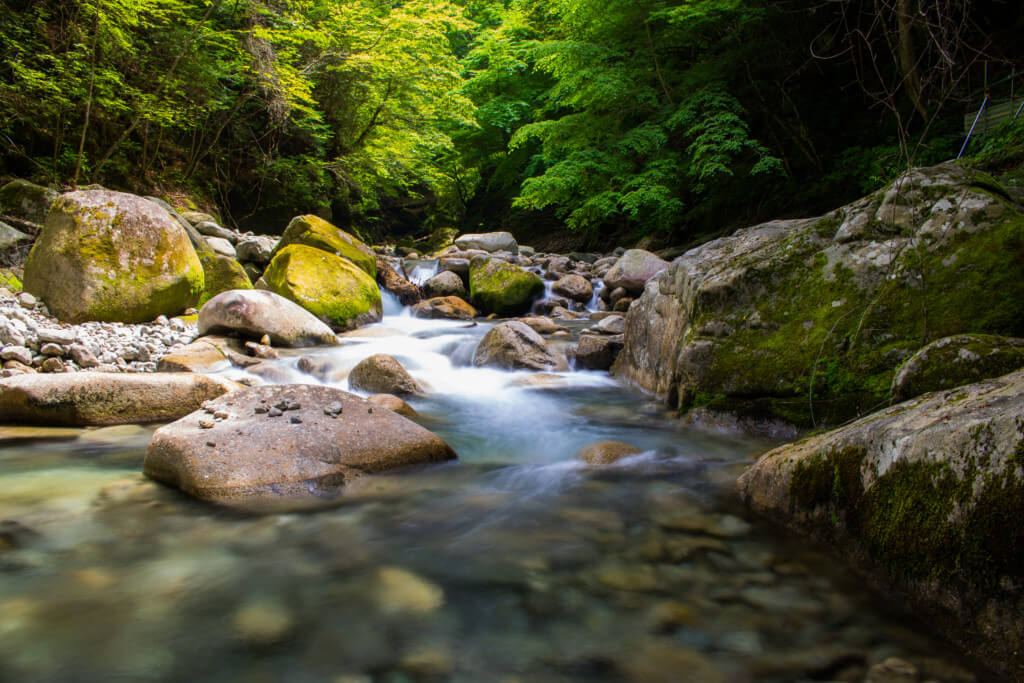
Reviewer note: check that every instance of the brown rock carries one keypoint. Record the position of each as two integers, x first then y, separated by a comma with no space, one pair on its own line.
542,324
606,452
394,404
382,374
449,307
389,279
206,354
597,353
575,287
514,345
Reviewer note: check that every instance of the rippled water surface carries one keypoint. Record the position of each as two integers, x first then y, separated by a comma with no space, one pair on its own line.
516,563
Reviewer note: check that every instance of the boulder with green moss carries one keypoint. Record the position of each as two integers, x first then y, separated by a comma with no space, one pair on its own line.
314,231
326,285
113,257
221,274
9,280
25,200
808,320
953,361
925,497
499,287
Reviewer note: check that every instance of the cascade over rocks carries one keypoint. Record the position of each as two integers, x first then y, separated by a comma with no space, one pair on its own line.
313,440
112,256
514,345
254,313
388,278
926,497
807,320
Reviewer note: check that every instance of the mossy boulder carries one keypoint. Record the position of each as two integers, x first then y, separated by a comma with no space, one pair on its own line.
314,231
499,287
221,274
925,497
27,201
953,361
9,280
328,286
113,257
808,320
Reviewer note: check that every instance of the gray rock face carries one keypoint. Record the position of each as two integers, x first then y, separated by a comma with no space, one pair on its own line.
312,441
489,242
102,398
254,313
382,374
597,353
807,320
211,229
633,270
25,200
257,249
953,361
514,345
926,495
445,283
575,287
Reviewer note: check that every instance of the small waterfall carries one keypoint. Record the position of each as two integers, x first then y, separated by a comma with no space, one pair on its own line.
419,271
390,303
593,304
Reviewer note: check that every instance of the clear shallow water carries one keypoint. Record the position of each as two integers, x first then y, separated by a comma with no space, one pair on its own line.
514,564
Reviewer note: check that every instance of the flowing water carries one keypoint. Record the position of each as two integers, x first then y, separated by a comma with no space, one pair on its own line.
516,563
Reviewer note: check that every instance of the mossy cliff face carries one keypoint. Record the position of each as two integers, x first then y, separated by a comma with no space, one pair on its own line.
221,274
314,231
328,286
499,287
807,320
926,497
113,257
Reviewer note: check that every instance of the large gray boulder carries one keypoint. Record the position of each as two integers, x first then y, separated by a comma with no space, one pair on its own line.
278,443
489,242
633,269
514,345
27,201
926,498
952,361
113,257
256,249
106,398
255,312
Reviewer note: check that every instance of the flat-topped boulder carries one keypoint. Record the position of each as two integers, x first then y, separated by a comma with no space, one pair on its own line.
106,398
276,443
254,313
489,242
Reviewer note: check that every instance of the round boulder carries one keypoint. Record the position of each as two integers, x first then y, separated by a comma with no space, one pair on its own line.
283,442
382,374
499,287
445,283
446,307
113,257
514,345
597,353
633,269
315,232
489,242
575,287
254,313
606,452
328,286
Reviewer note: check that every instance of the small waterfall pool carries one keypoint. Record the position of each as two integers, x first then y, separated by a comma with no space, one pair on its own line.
516,563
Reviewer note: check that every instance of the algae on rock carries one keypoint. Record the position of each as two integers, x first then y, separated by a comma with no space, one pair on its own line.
499,287
221,273
314,231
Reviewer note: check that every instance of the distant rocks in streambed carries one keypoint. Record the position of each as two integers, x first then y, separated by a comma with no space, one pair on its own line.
112,256
102,398
256,249
445,283
254,313
382,374
444,307
387,277
489,242
10,238
954,361
514,345
279,443
633,269
606,452
575,287
499,287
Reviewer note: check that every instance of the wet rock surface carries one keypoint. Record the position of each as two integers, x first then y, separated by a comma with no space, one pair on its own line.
255,313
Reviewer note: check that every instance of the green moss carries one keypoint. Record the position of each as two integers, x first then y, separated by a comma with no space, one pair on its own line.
314,231
827,226
9,280
221,273
499,287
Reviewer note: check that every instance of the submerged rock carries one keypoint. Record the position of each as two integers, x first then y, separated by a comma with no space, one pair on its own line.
106,398
924,496
514,345
382,374
312,440
112,256
606,452
254,313
953,361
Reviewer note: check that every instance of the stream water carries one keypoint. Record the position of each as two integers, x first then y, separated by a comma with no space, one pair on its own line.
516,563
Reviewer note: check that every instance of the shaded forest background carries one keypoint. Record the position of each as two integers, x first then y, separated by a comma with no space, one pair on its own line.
568,122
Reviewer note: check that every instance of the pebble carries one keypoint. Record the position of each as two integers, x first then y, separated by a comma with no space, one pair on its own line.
51,349
26,300
17,353
57,336
275,412
333,409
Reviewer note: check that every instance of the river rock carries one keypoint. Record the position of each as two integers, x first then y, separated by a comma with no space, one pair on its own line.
324,369
257,249
198,217
542,324
633,270
597,353
254,313
221,274
957,360
611,324
793,320
448,307
221,246
112,256
606,452
315,232
322,439
499,287
445,283
211,229
27,201
394,404
211,353
575,287
9,237
102,398
925,497
330,287
388,278
382,374
489,242
401,591
459,266
514,345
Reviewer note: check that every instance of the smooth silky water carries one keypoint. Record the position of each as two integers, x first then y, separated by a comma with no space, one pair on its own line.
515,563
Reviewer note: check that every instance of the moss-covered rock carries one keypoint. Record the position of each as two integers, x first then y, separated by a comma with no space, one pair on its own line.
25,200
954,361
328,286
808,320
926,497
314,231
221,274
9,280
499,287
112,256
